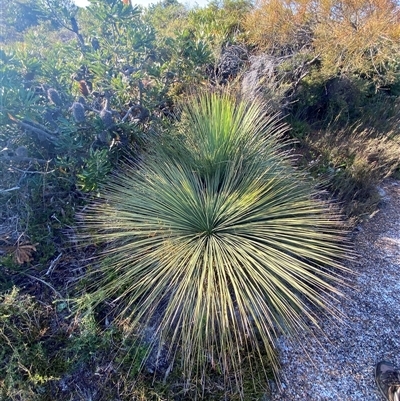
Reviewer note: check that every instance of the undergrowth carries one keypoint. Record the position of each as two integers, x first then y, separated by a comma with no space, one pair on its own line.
353,162
47,354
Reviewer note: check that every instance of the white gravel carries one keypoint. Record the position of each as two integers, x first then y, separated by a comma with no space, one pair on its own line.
339,364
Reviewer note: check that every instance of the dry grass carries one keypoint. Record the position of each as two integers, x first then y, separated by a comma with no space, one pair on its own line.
354,162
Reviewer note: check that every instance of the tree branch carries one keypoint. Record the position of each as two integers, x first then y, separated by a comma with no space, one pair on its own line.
32,126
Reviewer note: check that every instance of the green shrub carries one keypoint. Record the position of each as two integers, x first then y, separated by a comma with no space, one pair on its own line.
28,365
47,355
220,243
69,109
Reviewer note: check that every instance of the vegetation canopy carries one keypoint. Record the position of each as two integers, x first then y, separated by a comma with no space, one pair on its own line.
221,254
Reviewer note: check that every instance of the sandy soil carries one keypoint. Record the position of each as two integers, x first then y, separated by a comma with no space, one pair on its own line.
339,364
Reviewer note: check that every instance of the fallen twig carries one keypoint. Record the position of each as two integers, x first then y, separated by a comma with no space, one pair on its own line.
9,189
53,264
43,282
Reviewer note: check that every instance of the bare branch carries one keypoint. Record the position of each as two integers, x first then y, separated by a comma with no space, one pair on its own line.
43,282
53,264
31,126
23,159
8,190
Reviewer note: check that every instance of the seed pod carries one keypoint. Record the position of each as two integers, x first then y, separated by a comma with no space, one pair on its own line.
54,97
81,100
83,88
106,117
78,112
95,44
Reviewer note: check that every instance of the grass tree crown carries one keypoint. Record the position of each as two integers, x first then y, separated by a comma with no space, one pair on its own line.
218,239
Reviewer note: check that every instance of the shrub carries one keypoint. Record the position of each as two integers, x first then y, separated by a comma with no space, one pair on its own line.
15,17
68,109
349,37
221,21
26,370
218,243
47,355
354,161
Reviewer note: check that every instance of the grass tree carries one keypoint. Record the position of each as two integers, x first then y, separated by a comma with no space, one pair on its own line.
218,240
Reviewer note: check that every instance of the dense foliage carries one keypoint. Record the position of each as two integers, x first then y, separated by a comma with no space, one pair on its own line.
87,93
346,36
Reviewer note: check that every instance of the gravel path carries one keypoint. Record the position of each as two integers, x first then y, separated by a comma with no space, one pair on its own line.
340,366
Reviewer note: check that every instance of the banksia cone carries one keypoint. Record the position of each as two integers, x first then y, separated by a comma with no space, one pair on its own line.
106,117
84,88
106,114
78,112
81,100
95,44
54,97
